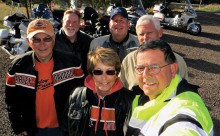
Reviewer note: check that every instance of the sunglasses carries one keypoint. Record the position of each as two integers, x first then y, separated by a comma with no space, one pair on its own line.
100,72
38,40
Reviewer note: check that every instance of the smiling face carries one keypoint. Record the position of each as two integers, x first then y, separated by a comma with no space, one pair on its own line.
71,24
42,44
148,32
153,85
104,82
119,27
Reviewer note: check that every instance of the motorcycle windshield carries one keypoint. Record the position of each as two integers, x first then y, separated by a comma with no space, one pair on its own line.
140,11
183,4
188,2
189,7
136,5
130,3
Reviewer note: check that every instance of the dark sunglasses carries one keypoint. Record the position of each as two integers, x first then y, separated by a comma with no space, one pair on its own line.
100,72
38,40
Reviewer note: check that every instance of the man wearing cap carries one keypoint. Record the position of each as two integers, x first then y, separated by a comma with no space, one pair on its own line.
119,40
38,84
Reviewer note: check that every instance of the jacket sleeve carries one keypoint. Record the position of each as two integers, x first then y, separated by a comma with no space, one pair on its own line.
74,112
12,102
64,125
93,45
98,42
189,130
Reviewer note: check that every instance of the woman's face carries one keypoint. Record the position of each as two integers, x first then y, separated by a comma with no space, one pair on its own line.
106,80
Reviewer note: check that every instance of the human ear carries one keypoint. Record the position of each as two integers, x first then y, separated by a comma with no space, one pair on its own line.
161,32
28,41
174,69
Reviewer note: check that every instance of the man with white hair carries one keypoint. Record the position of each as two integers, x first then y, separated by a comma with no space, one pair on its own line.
147,28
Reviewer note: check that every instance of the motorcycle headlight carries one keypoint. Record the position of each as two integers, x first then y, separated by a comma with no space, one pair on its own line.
140,11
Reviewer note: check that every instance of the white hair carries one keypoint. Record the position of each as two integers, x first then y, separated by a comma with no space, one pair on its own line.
146,19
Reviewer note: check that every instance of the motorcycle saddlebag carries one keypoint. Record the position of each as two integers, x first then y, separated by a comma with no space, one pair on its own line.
7,23
3,33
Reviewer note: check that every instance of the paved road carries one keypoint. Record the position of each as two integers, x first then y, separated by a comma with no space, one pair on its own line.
201,54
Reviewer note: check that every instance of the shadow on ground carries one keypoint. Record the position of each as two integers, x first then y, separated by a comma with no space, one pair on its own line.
193,43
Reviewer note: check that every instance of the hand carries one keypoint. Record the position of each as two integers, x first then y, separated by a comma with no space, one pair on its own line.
23,134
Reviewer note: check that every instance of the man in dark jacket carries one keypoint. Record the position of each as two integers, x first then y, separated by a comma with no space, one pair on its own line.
120,40
38,84
70,40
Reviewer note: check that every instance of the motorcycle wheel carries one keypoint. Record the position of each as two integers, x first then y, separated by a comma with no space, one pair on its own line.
194,29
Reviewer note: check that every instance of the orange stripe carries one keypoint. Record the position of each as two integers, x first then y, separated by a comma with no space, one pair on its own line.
94,113
10,80
78,72
107,115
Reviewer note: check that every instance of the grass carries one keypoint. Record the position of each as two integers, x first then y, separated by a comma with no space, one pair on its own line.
5,10
209,8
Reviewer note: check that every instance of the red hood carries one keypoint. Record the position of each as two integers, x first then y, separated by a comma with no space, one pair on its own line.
89,82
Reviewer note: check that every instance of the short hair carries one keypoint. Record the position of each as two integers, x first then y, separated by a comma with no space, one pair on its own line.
146,19
161,45
72,11
106,56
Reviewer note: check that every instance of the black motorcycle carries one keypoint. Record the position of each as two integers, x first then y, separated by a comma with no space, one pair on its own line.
43,11
13,39
98,26
90,18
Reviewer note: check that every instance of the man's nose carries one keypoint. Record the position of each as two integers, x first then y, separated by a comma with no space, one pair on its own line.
146,72
42,42
146,37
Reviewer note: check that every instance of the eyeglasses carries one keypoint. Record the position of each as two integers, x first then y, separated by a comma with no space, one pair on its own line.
38,40
152,69
100,72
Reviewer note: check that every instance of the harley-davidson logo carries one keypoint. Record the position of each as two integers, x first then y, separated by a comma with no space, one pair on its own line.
40,24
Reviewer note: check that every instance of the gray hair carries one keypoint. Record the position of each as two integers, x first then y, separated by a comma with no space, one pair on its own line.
107,56
146,19
162,46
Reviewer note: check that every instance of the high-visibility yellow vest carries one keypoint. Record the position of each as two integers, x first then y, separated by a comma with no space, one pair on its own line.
171,114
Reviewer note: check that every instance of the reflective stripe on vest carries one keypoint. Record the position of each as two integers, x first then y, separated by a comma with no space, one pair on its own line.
179,118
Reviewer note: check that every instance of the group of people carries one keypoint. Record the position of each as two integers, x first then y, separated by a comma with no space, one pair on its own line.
116,85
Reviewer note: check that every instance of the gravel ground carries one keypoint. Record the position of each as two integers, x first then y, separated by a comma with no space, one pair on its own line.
201,54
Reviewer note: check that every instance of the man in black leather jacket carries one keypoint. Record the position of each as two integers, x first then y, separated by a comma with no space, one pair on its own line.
38,84
70,40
